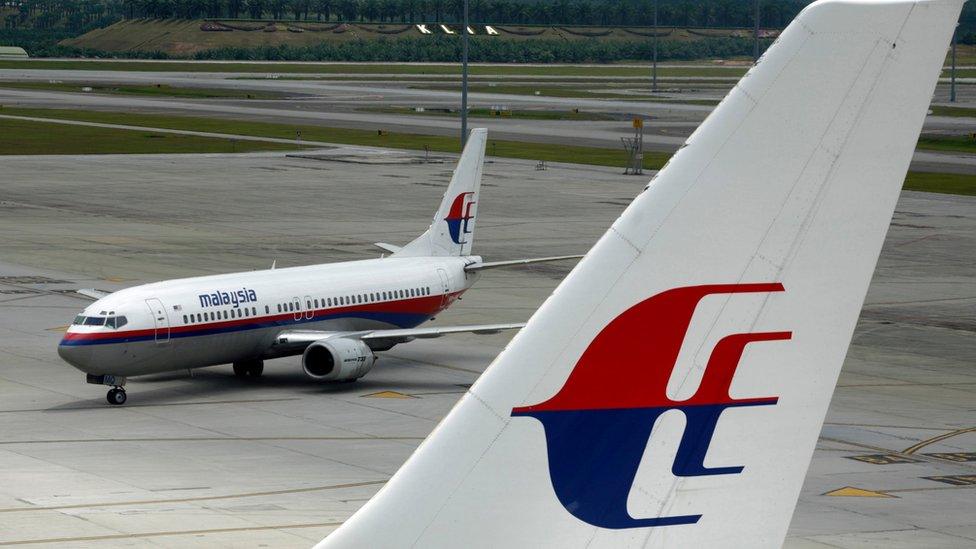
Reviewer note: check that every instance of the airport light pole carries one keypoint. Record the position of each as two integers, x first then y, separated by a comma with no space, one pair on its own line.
755,36
464,77
654,64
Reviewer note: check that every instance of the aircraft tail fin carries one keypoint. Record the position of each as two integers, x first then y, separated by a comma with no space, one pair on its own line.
452,230
671,391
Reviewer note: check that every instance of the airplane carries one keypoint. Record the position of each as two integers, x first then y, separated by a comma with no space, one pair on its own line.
671,391
336,315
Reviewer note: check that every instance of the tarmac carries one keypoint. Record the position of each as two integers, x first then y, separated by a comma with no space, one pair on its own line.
204,459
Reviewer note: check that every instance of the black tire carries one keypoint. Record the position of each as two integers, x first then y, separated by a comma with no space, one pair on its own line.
116,397
240,369
256,368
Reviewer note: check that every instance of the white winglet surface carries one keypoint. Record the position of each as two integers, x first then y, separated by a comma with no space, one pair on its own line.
671,391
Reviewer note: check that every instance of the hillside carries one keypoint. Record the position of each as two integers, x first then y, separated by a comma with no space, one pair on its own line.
185,38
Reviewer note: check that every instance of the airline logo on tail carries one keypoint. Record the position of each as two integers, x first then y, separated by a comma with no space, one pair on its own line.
593,481
460,216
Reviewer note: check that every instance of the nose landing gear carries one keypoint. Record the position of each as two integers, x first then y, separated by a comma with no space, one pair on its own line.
116,396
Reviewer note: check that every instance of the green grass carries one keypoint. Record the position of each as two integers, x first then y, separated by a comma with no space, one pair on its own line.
488,113
961,143
159,90
953,111
368,68
29,137
945,183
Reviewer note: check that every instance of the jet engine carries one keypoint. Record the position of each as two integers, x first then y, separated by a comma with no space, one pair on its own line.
338,359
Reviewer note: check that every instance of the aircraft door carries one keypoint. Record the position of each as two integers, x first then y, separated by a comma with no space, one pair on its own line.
309,310
298,314
160,320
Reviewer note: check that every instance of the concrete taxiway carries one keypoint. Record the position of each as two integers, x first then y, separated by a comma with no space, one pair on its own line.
209,460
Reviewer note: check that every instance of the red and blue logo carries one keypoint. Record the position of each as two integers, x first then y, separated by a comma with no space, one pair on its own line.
598,427
460,216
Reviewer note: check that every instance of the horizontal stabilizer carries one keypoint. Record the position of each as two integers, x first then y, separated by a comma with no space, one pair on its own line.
516,262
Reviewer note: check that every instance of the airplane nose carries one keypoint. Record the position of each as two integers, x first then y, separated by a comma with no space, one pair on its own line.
75,355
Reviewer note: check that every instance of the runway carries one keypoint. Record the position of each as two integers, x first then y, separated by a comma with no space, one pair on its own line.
209,460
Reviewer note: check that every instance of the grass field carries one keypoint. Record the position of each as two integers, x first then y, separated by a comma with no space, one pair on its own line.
953,111
158,90
62,139
945,183
28,137
961,143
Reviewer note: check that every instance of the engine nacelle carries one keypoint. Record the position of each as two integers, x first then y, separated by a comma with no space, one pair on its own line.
338,359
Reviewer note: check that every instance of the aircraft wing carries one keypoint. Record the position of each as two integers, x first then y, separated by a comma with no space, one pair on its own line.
388,247
92,293
384,339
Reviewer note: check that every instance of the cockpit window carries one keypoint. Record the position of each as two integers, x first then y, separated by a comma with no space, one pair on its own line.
116,321
95,321
79,320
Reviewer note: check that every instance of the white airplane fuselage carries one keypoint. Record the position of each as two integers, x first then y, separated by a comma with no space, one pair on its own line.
203,321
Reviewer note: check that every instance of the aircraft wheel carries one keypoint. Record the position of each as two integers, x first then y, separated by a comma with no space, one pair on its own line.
249,369
116,396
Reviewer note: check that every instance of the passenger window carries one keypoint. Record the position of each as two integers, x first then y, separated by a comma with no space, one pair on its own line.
247,312
267,310
308,303
184,321
279,307
330,302
316,303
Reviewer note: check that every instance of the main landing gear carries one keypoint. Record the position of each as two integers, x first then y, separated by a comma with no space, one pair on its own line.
116,395
249,369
